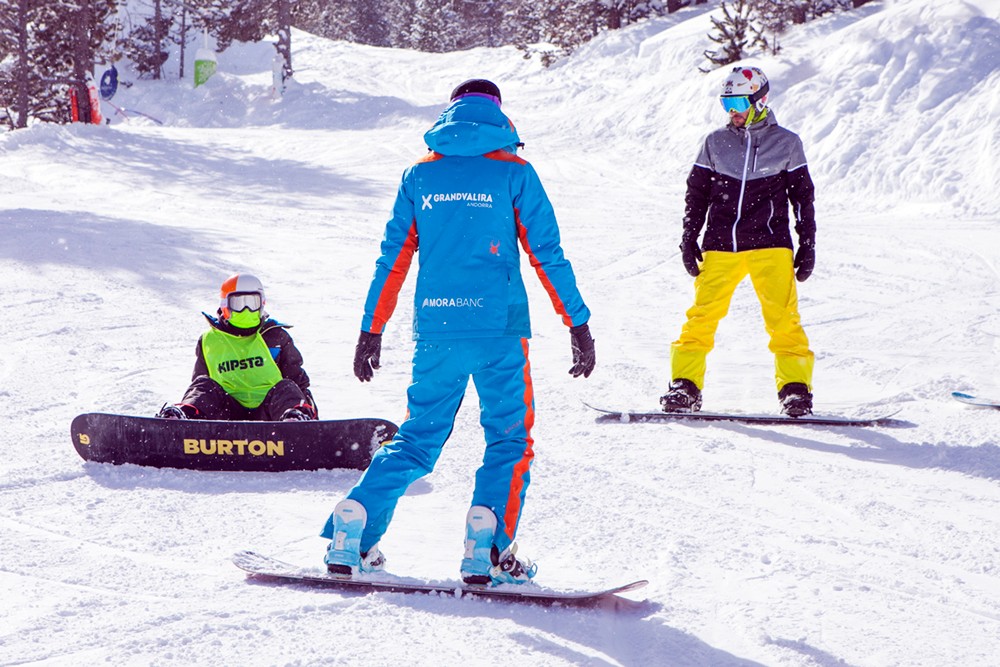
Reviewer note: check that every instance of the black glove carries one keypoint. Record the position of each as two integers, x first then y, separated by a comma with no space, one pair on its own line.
805,259
583,351
690,254
366,355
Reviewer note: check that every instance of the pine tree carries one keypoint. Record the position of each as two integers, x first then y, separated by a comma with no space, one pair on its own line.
249,21
481,22
733,33
145,45
399,19
570,23
436,26
57,44
367,22
447,25
620,13
772,17
521,24
17,84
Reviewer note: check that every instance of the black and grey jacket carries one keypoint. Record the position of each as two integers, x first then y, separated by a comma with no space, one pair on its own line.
743,180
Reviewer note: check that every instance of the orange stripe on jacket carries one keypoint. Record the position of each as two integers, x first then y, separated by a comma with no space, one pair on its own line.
521,467
432,156
504,156
522,233
397,276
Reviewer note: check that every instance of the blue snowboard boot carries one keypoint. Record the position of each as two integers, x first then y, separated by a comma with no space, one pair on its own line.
480,526
344,557
483,563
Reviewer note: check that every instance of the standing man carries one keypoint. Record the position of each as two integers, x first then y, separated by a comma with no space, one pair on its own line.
465,206
743,180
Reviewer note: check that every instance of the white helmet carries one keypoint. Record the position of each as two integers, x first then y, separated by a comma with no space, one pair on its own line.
239,292
748,82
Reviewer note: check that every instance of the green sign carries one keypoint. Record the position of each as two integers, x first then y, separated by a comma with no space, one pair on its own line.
204,66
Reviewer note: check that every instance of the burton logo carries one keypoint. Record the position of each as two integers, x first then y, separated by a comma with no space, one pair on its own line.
195,446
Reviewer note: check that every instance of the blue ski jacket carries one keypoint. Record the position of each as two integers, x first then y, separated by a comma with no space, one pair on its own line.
465,207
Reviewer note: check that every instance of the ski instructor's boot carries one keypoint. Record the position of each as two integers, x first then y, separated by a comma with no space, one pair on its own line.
344,557
484,564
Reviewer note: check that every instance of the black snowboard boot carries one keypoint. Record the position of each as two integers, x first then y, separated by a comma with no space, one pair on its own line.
796,401
684,396
294,415
171,412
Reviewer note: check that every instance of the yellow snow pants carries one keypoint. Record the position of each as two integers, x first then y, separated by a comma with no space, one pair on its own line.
770,270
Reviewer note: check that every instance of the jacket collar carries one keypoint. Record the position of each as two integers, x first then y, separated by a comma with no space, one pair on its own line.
768,121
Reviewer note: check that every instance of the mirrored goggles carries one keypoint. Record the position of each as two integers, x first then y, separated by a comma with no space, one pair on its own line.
738,104
243,301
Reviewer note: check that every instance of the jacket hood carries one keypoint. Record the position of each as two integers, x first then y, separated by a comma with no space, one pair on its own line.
471,126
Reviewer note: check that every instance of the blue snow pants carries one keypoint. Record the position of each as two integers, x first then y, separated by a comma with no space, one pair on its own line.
441,369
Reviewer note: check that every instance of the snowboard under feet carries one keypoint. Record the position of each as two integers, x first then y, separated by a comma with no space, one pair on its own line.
626,417
266,567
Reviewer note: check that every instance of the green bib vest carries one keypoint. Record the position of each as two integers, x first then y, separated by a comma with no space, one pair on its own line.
241,364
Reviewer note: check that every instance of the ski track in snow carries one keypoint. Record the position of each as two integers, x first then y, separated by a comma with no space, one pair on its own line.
811,546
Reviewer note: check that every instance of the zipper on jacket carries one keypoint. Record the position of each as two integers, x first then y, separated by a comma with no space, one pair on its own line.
743,186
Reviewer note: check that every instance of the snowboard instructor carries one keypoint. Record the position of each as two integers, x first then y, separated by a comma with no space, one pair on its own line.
743,180
247,367
465,206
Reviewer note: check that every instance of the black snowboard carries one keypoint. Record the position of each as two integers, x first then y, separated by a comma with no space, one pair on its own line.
626,417
229,445
280,571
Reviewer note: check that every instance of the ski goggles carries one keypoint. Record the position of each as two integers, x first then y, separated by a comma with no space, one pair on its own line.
485,96
739,104
244,301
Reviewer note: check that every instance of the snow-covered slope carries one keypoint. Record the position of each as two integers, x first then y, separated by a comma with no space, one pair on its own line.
795,546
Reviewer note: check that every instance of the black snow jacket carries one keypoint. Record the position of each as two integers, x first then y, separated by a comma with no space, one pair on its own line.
743,181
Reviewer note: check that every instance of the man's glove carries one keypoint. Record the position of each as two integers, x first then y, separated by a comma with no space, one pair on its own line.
583,351
691,254
366,355
805,259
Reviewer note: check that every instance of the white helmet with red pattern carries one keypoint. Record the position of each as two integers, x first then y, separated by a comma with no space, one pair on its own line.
748,82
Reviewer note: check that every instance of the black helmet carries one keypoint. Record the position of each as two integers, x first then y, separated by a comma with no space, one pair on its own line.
479,87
